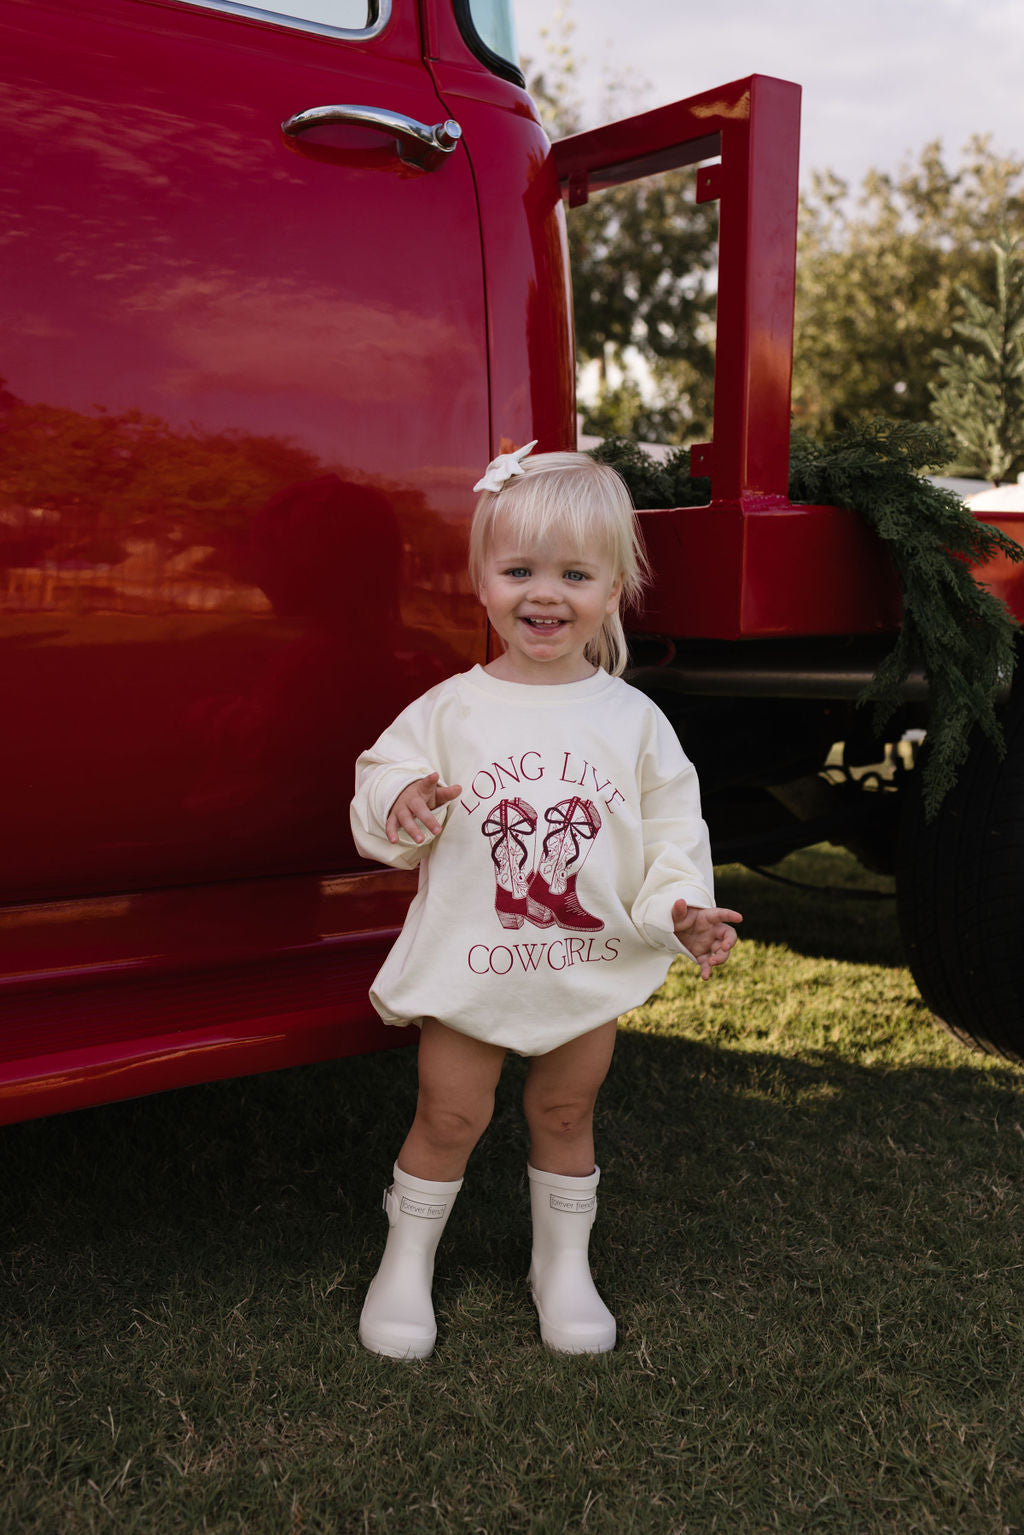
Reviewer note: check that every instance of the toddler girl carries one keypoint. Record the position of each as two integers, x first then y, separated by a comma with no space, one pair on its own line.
563,863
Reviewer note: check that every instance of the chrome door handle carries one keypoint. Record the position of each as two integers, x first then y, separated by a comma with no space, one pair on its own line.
416,143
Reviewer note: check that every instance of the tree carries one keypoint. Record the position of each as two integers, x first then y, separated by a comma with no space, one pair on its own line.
878,275
643,260
979,395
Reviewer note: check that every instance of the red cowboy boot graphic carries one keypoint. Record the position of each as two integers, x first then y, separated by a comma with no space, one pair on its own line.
511,829
552,893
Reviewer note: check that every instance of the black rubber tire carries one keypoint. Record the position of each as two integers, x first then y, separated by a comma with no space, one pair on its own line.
960,893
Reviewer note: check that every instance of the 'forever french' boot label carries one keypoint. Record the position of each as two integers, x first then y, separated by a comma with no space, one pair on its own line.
574,1206
417,1207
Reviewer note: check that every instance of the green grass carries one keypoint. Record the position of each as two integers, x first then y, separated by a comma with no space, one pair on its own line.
811,1231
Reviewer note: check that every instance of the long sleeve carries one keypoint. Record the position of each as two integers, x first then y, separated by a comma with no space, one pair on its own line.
677,848
398,758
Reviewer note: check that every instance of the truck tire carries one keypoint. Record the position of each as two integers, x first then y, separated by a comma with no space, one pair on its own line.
960,893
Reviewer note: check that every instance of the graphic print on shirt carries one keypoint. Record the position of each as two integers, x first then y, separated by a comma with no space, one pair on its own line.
546,895
511,829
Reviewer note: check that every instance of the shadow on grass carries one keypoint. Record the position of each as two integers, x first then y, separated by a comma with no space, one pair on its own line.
273,1183
815,1266
845,913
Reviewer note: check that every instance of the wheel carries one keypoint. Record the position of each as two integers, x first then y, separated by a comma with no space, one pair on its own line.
960,892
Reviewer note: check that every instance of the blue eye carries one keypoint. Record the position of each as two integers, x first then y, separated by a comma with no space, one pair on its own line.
517,570
576,575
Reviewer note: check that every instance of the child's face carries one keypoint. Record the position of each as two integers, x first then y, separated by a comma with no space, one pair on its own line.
546,601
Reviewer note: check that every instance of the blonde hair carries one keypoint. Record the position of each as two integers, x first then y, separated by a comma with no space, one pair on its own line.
573,495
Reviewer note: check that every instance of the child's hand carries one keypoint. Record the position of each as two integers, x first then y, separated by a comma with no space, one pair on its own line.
415,803
705,931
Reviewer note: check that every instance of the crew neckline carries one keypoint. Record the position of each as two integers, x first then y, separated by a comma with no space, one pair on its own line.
541,694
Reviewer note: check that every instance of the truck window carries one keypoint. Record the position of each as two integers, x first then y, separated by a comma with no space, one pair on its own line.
360,16
489,29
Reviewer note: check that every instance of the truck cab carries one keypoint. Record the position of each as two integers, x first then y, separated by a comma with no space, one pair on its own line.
276,285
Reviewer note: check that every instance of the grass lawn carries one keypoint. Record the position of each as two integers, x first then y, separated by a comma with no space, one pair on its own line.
811,1232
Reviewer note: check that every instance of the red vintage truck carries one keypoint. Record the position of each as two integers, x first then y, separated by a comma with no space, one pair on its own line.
275,286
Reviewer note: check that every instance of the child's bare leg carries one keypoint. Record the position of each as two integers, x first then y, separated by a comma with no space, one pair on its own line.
559,1097
558,1101
457,1078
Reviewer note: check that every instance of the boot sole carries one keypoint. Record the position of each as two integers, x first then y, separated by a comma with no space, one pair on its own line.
391,1350
569,1343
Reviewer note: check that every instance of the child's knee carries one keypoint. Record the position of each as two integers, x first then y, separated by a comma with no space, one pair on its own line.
563,1119
451,1125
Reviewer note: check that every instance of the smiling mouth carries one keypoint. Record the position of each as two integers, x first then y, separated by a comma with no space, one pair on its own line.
544,623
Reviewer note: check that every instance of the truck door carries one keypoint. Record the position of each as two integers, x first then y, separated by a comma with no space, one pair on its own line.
244,400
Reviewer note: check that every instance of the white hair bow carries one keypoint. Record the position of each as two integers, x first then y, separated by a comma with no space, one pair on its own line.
504,467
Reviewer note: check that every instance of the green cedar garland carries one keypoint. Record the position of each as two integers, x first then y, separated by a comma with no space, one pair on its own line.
653,484
961,636
955,630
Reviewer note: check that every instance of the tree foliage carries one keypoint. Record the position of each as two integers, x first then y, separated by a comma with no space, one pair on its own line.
641,255
978,396
878,277
122,469
879,283
643,260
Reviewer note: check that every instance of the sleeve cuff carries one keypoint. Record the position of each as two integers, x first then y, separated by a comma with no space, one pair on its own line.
653,918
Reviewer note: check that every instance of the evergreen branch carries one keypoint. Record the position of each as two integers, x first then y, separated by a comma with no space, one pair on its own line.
954,629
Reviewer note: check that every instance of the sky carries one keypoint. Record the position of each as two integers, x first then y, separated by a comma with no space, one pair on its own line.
881,78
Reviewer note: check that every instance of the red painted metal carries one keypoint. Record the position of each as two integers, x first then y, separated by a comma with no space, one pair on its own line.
749,565
522,235
203,355
740,573
249,382
157,933
753,127
1002,576
247,392
57,1081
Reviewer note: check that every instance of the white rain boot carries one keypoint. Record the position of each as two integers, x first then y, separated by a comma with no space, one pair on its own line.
573,1317
398,1316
